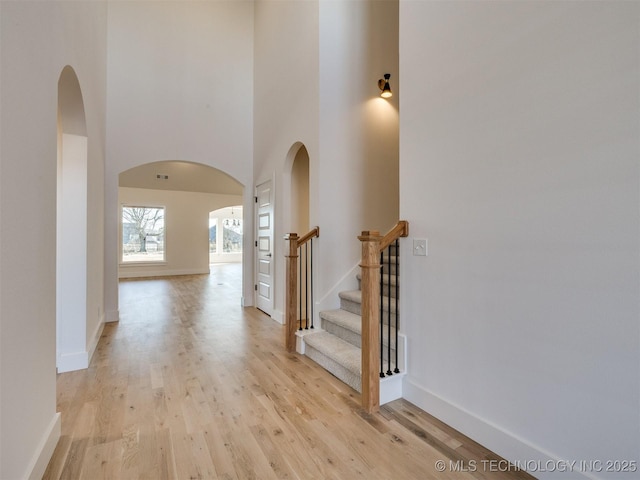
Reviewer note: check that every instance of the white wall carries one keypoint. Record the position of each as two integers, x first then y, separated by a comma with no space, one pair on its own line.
316,67
180,81
186,229
71,254
285,108
358,171
37,40
519,162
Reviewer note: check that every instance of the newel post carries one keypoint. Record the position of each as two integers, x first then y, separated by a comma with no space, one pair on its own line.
291,293
370,271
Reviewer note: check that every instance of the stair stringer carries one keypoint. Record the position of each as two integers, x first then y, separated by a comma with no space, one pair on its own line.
330,300
390,387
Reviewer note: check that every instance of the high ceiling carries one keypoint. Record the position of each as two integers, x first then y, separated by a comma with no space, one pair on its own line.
182,176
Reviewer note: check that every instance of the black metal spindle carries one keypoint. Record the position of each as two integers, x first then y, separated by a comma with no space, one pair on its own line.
381,317
306,287
389,372
312,283
300,288
397,370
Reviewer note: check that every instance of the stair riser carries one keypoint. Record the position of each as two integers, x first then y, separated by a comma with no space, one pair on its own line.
356,308
354,338
337,370
345,334
350,306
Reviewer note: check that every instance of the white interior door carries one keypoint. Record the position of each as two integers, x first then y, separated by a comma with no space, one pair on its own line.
264,247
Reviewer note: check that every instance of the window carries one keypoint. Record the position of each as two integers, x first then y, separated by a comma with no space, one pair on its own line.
213,234
142,234
232,235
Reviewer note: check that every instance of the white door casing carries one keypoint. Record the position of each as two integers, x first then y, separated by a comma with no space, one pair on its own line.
264,247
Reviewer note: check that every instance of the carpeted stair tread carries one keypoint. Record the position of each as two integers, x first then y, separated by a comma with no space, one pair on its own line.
351,295
336,349
344,319
351,300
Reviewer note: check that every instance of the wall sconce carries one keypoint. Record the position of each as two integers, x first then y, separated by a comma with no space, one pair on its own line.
383,85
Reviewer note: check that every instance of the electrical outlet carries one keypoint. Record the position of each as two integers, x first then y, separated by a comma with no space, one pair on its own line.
420,247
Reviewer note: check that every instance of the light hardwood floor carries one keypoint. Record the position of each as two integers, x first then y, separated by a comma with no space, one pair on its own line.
189,385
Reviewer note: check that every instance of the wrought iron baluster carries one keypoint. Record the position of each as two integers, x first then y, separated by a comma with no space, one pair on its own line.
311,282
306,287
381,317
300,287
389,372
397,277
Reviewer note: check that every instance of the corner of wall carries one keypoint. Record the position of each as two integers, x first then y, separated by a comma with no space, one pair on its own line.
45,450
95,338
70,362
278,316
112,316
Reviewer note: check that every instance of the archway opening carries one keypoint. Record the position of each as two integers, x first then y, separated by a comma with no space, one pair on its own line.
183,195
71,227
299,204
226,231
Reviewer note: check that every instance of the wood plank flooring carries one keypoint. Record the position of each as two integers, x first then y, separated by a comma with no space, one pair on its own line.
189,385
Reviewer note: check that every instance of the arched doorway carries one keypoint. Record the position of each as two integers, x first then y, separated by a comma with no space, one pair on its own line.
71,227
226,230
299,204
180,195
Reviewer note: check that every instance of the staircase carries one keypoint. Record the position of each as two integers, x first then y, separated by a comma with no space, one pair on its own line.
336,345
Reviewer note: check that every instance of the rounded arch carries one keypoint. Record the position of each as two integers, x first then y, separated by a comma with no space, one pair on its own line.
71,226
180,175
296,173
186,192
71,116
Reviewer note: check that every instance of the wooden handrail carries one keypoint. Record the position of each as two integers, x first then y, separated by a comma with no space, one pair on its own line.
291,284
372,244
401,229
315,232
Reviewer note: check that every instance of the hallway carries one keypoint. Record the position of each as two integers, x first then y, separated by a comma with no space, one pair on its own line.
191,385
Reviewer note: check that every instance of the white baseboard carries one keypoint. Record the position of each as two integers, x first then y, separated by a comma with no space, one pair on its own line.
44,452
142,273
542,464
95,338
112,316
69,362
278,316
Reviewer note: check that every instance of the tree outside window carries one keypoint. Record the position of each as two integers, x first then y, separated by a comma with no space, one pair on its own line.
142,234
